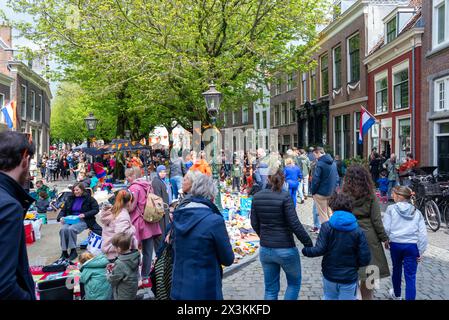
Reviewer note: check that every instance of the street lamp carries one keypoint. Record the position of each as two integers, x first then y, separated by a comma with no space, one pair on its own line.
91,124
213,100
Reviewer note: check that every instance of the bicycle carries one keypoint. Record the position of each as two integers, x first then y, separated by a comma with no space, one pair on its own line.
443,204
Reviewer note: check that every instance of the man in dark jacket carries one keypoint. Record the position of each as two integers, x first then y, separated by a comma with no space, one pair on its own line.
160,189
324,182
345,249
177,171
16,151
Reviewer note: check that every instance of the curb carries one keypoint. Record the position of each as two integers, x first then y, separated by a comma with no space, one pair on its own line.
243,263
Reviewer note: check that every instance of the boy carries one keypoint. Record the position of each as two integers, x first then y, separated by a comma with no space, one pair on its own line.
404,225
383,183
42,204
40,186
345,249
123,275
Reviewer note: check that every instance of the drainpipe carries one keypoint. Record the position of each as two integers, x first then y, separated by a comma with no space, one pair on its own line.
413,137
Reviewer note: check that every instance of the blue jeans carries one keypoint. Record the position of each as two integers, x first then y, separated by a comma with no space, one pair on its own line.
176,183
339,291
391,185
316,219
273,259
300,190
404,254
293,193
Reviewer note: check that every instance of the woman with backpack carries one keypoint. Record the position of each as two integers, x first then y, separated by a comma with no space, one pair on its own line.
145,231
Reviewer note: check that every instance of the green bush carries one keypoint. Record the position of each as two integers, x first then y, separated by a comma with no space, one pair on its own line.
357,160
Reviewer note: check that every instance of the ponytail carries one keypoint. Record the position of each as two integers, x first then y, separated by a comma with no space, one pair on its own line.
121,200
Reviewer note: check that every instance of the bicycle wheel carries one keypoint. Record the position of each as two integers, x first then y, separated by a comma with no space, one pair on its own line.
433,216
446,214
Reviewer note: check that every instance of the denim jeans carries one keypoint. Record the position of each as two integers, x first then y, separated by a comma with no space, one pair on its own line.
300,190
392,184
404,255
273,259
176,183
339,291
316,219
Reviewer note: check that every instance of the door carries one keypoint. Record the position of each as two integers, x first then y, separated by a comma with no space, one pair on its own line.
443,154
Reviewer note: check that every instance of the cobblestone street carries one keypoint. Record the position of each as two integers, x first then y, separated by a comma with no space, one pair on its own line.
432,277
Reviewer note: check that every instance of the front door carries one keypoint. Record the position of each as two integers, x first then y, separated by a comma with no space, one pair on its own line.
443,154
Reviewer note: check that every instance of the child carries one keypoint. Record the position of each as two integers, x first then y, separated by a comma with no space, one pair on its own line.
42,204
383,183
345,249
123,275
93,276
237,173
404,225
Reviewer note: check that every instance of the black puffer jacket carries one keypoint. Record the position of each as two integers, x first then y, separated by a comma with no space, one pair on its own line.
90,208
274,218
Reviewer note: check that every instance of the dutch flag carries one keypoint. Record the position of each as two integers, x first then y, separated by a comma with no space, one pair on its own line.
9,113
366,122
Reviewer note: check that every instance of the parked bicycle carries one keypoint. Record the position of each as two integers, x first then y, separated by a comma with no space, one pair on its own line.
443,204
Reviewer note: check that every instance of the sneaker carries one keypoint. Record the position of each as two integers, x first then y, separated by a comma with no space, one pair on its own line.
73,255
146,283
64,255
393,296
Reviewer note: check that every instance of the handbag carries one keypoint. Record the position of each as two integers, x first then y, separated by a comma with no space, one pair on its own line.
161,274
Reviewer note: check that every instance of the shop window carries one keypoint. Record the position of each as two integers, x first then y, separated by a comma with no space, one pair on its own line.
404,138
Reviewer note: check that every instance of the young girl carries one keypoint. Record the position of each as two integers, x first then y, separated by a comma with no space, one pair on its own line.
93,276
404,225
116,219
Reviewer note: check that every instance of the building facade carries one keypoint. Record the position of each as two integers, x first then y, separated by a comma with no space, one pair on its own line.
332,93
283,102
29,90
435,85
394,85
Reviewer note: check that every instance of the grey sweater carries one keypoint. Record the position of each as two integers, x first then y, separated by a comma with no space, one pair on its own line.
124,277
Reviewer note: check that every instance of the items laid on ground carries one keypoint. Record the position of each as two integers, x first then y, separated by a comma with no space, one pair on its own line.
33,224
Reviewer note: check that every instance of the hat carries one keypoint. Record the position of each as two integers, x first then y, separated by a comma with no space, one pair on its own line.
403,191
160,168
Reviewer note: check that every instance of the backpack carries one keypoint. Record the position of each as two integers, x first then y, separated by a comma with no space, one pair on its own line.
154,208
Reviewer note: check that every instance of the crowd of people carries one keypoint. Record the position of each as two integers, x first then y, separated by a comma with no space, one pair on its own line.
171,213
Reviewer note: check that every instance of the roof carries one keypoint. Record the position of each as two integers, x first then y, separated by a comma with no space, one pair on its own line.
409,26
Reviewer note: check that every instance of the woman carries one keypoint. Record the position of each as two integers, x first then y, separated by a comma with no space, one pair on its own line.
116,220
81,169
375,166
201,246
160,189
80,204
202,165
64,166
293,176
145,231
274,218
358,184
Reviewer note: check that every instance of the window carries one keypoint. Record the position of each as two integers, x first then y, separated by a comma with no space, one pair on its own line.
404,138
286,140
277,119
382,95
225,118
440,22
245,115
400,84
337,68
41,107
258,121
264,120
441,94
291,81
33,105
304,87
324,75
2,103
313,85
234,117
284,114
295,140
277,86
293,111
358,147
391,29
354,59
23,102
342,135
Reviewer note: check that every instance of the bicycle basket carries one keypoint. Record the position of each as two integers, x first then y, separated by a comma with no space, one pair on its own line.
429,189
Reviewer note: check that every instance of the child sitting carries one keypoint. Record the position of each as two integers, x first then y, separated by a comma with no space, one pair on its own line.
404,225
42,204
123,275
93,276
383,183
345,249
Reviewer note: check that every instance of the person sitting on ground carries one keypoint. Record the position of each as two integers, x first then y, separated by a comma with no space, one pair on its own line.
42,204
93,276
405,226
343,244
40,186
123,275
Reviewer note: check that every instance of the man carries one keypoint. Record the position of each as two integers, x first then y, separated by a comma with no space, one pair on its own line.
177,171
160,189
16,282
304,164
262,168
391,166
324,182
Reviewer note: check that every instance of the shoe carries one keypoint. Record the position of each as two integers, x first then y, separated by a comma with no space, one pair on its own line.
73,255
314,229
64,255
393,296
146,283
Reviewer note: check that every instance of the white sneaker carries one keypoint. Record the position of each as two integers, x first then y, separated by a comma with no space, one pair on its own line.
393,296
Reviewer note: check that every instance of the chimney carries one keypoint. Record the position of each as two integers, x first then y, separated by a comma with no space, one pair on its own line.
6,35
6,40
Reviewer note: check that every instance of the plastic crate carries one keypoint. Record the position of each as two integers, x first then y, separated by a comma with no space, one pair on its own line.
29,233
72,219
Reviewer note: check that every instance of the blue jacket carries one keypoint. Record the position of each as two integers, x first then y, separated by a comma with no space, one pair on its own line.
292,175
343,244
201,245
325,177
383,184
16,282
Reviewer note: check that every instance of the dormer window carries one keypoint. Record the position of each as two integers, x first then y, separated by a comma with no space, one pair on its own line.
392,29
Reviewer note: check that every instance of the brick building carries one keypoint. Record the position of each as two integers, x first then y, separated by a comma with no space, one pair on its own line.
435,85
394,85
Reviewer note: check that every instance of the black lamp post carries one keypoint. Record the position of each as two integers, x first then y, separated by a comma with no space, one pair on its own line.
91,124
213,100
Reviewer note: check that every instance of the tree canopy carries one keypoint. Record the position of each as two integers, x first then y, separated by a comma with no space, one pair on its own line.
146,62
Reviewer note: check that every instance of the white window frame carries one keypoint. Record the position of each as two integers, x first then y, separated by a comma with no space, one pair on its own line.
436,5
234,120
356,133
436,84
284,113
386,28
41,100
334,73
324,94
348,58
291,81
304,91
436,134
290,104
396,135
396,69
245,114
313,75
24,88
33,105
341,118
377,77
